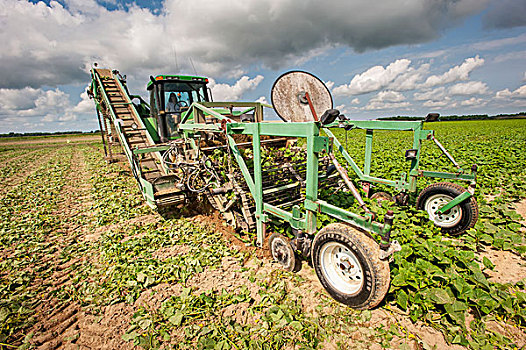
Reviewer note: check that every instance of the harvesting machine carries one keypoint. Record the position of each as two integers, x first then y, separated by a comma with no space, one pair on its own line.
182,146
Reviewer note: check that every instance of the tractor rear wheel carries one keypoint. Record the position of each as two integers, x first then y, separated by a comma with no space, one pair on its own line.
459,218
348,266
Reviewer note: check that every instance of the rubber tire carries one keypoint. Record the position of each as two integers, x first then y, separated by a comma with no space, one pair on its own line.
376,272
470,211
293,262
382,196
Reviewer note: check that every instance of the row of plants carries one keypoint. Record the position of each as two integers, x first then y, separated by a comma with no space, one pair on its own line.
27,221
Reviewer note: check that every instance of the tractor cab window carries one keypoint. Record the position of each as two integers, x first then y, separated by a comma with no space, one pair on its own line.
178,97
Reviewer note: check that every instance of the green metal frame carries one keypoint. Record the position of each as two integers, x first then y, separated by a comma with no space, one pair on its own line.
195,121
407,182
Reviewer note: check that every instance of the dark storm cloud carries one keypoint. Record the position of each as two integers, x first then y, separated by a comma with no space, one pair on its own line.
49,45
506,14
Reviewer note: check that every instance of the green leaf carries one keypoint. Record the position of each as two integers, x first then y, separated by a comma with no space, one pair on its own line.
401,299
176,319
487,263
296,325
439,296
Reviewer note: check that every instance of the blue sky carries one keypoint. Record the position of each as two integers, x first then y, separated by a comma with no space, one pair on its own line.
402,57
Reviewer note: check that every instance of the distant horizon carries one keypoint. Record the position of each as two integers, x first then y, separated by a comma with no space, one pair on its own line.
94,131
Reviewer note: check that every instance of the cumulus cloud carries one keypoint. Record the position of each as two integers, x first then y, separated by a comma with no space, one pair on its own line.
410,79
225,92
263,100
474,102
31,107
55,44
434,94
388,96
456,73
387,100
520,93
469,88
373,79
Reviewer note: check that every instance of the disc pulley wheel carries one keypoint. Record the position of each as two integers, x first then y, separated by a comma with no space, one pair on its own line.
382,196
456,220
348,266
283,253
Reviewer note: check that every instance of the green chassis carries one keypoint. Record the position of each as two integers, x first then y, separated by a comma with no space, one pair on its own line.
405,183
195,121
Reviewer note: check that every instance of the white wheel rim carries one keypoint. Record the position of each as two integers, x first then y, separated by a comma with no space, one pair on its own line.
448,219
341,268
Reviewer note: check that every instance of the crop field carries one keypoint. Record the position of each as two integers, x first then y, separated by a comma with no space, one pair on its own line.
86,264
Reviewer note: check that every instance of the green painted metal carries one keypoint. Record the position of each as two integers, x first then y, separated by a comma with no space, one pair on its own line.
368,151
455,201
403,184
151,149
185,78
258,183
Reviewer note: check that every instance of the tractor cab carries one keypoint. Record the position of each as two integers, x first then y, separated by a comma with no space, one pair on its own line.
170,98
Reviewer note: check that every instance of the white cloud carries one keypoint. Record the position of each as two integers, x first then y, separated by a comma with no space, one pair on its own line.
474,102
263,100
29,106
387,100
499,43
225,92
434,94
520,93
376,105
410,79
373,79
355,101
456,73
469,88
514,55
388,96
329,84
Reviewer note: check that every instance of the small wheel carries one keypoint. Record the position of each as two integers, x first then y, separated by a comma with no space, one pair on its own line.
382,196
457,220
283,253
348,266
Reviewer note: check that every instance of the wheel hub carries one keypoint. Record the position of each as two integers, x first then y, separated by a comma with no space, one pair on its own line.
447,219
342,268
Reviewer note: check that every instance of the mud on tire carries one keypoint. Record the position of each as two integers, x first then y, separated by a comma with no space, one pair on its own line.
348,266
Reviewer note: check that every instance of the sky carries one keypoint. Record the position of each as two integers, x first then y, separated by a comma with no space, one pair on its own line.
378,58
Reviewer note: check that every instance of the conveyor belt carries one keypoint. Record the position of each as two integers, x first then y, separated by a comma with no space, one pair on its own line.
119,112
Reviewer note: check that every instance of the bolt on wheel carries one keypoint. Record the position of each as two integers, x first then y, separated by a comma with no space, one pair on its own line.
448,219
349,267
341,267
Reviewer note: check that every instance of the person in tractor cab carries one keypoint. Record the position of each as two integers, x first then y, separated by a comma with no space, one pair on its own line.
173,111
172,105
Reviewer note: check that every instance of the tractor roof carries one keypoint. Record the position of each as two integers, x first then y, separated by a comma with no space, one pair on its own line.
188,78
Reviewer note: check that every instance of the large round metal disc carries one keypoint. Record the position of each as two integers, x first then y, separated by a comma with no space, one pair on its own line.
288,96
